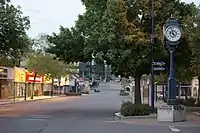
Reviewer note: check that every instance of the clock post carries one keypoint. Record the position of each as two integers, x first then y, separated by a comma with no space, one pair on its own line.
172,36
172,112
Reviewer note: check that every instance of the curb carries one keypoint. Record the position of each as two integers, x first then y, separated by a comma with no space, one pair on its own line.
121,117
196,114
27,101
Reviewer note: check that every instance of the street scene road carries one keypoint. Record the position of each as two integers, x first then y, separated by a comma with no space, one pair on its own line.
91,113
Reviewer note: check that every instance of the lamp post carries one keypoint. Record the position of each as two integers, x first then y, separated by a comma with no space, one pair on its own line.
152,55
25,89
172,36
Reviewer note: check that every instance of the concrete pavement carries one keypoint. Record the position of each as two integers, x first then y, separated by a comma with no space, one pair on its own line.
86,114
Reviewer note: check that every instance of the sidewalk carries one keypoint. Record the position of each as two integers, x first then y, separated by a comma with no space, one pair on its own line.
191,121
28,99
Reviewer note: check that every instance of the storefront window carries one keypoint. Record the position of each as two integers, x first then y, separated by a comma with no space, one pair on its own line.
20,89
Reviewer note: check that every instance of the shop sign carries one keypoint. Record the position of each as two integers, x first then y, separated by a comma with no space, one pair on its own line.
20,75
47,80
30,78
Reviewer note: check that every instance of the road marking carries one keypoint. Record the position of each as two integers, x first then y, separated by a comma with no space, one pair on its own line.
37,117
32,119
110,121
174,129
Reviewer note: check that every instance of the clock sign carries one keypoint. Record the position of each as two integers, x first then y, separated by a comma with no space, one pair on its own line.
172,31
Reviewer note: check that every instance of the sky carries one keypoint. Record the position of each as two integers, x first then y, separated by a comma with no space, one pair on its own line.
46,16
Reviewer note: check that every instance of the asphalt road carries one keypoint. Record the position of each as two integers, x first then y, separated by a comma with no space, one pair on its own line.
86,114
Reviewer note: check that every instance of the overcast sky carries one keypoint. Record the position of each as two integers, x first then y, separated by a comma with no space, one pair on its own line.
47,15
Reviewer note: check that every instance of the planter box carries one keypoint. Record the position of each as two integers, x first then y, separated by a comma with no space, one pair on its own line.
120,116
171,113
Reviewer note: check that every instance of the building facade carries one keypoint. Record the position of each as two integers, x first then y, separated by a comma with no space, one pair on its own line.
6,82
19,81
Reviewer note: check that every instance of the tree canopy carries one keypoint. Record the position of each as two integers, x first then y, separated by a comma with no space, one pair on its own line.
13,38
44,63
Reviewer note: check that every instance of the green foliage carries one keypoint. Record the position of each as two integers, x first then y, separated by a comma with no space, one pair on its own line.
130,109
13,25
68,45
45,64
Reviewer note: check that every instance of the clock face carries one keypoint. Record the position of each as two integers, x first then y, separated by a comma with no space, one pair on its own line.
173,33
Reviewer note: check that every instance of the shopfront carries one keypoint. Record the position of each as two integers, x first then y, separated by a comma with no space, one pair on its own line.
62,87
38,86
47,85
20,81
6,82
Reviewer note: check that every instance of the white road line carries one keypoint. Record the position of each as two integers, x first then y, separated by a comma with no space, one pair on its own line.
29,119
38,117
174,129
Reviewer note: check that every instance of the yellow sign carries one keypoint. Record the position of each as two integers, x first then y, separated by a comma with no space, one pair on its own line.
20,75
47,80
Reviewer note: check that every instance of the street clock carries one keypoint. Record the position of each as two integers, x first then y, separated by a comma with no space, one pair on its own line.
172,31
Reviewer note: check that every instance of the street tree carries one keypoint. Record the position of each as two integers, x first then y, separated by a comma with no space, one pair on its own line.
44,64
13,38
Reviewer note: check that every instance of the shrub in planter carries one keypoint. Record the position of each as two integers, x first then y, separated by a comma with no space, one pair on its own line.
130,109
189,102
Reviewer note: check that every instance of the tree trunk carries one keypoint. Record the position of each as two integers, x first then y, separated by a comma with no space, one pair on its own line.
52,86
137,89
198,94
59,88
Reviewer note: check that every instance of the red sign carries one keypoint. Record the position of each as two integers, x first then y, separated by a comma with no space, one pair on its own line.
30,78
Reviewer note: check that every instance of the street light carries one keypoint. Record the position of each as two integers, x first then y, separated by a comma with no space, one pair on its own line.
152,55
25,89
